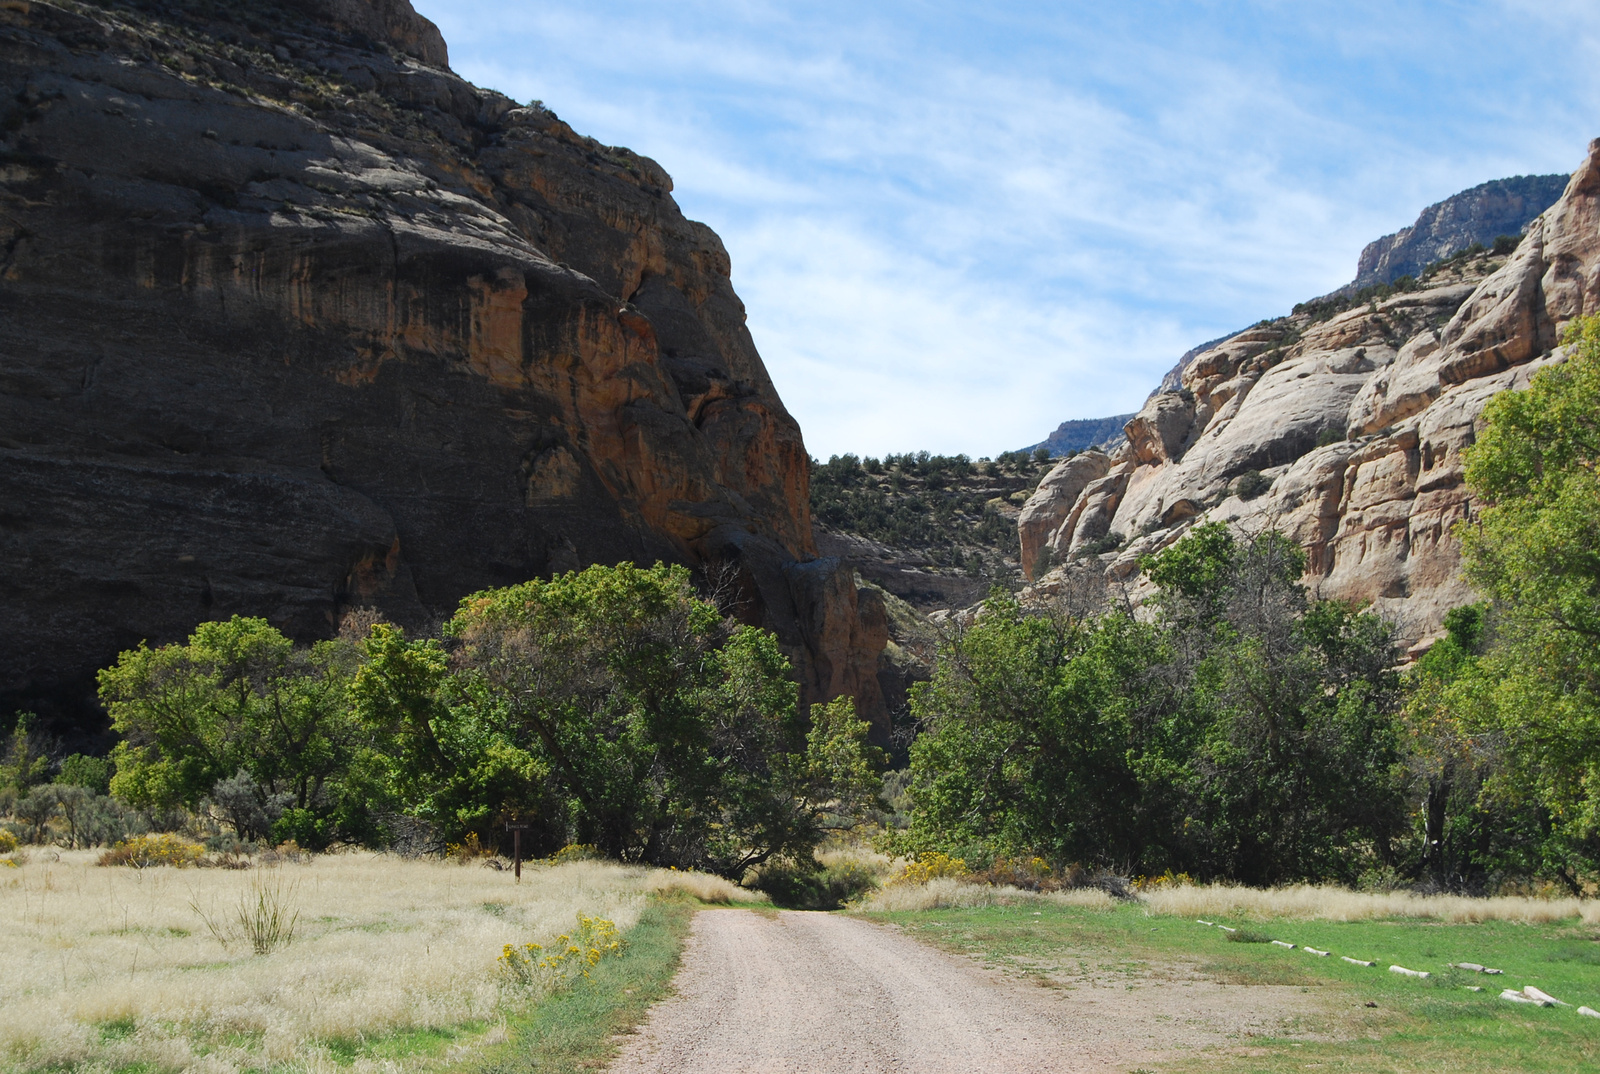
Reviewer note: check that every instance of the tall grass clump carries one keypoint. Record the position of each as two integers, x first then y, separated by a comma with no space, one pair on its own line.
703,887
267,916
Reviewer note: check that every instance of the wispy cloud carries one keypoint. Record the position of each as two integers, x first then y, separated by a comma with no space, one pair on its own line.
954,226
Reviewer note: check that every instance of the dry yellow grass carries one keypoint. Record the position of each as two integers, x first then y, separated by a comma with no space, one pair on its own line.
1308,902
948,892
702,886
105,967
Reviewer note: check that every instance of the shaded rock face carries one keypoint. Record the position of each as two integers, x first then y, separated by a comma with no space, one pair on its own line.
1482,214
1358,422
293,320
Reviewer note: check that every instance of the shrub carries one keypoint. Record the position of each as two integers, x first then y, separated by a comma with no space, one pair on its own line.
1168,879
8,842
1505,244
932,865
1250,484
144,851
468,850
1029,874
569,957
807,886
245,807
35,810
1330,435
575,852
288,850
1109,543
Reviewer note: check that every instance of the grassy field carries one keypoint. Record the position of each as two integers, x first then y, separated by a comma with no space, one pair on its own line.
1365,1020
392,964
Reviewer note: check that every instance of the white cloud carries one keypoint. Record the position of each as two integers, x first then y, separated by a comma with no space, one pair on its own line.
955,227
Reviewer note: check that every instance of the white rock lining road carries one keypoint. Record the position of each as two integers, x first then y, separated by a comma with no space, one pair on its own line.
796,993
1528,994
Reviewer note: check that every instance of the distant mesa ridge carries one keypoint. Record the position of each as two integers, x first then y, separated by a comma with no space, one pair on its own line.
1083,433
1479,215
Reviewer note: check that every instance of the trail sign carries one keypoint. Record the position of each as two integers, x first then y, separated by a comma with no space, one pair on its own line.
516,828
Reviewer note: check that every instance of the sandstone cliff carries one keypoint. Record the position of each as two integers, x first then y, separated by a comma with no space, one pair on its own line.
1358,423
1479,215
294,320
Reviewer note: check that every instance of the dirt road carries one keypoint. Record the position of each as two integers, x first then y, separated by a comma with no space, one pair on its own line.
807,992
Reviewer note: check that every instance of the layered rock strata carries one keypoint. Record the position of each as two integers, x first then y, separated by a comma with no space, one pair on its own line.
1358,422
293,320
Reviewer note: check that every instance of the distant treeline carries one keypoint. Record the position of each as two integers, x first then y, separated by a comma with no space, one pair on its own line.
948,507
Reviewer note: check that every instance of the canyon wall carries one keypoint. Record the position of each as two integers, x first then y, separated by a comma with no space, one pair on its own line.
293,320
1482,214
1358,423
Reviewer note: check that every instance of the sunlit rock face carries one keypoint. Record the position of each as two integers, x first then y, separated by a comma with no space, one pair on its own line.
293,320
1358,422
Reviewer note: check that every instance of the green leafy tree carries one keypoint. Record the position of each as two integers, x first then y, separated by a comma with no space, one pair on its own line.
613,706
1245,733
1468,831
26,761
1534,549
1039,738
80,770
1298,767
440,749
239,696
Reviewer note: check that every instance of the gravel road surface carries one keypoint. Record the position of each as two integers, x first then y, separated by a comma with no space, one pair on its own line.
804,992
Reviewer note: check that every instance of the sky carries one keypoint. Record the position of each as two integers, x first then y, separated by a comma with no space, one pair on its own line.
955,225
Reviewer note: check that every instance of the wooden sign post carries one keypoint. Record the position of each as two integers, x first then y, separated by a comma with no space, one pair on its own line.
516,828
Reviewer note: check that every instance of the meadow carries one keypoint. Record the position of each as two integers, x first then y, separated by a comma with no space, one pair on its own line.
392,963
1337,1016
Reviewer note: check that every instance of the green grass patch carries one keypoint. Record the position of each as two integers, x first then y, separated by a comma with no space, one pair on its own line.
117,1029
421,1042
1373,1020
575,1030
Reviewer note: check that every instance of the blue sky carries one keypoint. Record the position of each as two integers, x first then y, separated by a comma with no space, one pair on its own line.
955,225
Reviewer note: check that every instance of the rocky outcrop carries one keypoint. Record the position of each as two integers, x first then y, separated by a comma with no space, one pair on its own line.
1355,425
293,320
1479,215
394,23
1047,522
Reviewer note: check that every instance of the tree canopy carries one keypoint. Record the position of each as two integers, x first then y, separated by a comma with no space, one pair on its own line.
611,706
